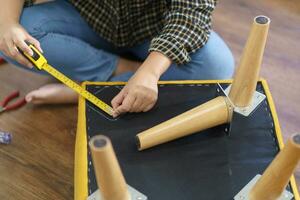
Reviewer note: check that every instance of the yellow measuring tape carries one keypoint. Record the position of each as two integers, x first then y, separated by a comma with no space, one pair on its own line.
41,63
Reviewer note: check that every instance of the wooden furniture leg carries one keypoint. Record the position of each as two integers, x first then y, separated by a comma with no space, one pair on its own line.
108,172
212,113
247,73
276,177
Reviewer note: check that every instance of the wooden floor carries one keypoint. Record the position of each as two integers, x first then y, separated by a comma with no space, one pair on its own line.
39,163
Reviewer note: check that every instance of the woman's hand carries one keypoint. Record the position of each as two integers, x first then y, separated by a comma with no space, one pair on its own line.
139,95
13,35
141,92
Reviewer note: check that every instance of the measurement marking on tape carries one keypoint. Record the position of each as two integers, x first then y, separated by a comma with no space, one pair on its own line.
76,87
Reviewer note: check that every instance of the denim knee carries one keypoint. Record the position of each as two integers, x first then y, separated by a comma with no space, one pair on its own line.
32,20
48,17
213,61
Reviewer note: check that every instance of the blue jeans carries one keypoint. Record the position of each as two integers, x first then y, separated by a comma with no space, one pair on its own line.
75,49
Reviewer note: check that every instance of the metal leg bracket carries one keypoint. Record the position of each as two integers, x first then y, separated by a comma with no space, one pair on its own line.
135,195
257,99
244,193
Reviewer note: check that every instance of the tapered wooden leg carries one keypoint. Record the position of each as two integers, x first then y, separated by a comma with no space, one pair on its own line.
212,113
247,73
275,179
108,172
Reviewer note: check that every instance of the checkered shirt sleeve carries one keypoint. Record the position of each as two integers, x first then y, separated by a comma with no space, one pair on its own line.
187,28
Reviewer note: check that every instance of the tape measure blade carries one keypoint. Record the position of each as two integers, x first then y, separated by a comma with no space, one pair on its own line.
76,87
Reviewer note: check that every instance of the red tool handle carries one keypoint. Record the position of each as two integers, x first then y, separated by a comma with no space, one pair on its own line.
9,98
16,105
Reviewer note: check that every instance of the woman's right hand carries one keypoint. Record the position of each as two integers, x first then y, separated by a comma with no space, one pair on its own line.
13,36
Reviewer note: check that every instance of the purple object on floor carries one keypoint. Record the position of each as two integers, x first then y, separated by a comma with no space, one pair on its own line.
5,138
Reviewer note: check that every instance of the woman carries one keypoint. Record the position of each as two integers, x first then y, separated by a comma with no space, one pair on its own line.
141,41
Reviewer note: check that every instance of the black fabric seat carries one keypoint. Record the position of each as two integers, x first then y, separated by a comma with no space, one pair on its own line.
209,165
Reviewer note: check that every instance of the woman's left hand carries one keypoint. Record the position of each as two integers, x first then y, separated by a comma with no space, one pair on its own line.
141,92
139,95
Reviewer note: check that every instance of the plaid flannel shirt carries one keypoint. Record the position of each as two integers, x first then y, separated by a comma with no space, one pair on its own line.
176,27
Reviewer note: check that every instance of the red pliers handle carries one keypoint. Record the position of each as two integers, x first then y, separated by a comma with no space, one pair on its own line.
1,60
4,104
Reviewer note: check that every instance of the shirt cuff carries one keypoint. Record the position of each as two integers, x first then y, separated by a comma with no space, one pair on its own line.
171,48
28,3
